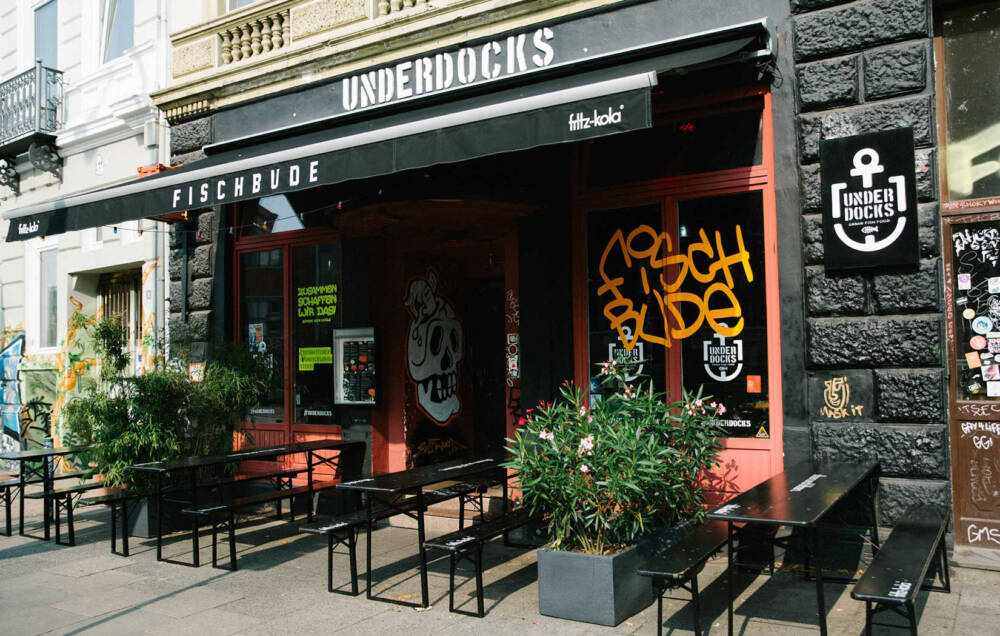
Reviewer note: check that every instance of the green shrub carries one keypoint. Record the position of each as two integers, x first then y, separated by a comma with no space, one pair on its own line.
606,473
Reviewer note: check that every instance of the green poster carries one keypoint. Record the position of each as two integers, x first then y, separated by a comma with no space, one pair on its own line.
309,357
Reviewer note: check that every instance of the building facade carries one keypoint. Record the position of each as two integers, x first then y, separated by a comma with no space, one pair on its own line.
429,215
76,116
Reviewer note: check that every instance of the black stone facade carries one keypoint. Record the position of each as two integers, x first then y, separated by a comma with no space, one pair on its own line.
844,68
861,67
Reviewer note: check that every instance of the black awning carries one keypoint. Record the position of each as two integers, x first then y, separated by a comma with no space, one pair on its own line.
565,109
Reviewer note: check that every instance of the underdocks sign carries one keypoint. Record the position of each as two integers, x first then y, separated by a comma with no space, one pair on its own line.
869,200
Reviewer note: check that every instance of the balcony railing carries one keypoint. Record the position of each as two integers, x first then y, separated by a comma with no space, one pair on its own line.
31,104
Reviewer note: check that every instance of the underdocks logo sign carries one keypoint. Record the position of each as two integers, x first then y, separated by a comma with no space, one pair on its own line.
869,200
723,360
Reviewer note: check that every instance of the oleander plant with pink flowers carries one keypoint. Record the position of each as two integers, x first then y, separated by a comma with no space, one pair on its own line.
604,472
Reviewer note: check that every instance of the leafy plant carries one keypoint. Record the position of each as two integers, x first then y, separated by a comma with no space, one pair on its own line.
160,415
604,474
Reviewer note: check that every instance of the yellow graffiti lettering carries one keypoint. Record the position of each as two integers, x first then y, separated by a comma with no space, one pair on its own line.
652,253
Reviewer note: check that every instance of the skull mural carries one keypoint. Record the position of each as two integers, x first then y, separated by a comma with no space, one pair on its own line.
434,348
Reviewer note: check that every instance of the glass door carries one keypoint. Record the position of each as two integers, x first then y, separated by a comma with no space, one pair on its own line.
262,324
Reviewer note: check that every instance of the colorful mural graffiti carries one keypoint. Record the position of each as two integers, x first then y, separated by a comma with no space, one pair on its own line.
10,387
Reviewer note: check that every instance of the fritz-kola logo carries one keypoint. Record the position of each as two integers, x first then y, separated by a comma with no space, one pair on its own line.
723,360
583,121
27,228
875,211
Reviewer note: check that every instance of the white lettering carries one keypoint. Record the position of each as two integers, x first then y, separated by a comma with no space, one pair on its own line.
204,192
386,85
368,89
255,183
979,534
466,66
350,90
293,176
238,187
275,178
177,197
424,71
444,69
313,171
490,70
219,189
516,61
402,79
543,47
190,195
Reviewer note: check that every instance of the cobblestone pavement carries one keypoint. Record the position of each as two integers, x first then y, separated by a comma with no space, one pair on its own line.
280,588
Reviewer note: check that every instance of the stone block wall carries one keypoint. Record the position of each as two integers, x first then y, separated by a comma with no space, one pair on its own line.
865,66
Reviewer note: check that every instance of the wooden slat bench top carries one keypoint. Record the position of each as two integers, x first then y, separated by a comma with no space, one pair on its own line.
457,540
900,566
695,548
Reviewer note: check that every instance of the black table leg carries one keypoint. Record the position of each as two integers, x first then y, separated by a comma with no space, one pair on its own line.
20,497
46,486
309,476
194,519
125,527
820,599
424,600
159,517
368,548
506,509
730,575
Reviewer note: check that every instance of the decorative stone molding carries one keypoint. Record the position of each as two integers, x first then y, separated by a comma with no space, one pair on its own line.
196,56
392,7
324,15
183,111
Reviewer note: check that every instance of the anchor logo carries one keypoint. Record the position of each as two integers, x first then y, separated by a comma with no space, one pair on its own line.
721,357
866,164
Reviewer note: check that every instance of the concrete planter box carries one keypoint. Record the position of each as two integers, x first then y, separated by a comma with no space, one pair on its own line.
597,589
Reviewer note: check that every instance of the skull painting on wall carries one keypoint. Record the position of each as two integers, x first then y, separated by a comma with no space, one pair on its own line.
434,348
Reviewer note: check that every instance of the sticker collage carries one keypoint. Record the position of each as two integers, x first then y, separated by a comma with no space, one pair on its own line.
977,297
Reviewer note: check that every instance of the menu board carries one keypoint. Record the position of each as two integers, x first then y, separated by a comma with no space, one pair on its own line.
354,366
976,291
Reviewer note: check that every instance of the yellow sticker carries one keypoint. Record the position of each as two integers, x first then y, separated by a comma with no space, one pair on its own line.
972,359
309,357
762,434
969,313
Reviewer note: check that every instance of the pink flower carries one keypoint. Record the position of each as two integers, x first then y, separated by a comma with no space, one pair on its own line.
584,468
549,435
720,409
521,420
586,445
583,411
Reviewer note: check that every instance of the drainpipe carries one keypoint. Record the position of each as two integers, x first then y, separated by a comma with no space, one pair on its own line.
184,275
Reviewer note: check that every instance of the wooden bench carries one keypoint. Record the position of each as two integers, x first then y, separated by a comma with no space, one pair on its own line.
115,498
223,515
679,565
901,566
343,529
468,544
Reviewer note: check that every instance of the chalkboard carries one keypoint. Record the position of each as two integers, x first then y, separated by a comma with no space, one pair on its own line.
975,281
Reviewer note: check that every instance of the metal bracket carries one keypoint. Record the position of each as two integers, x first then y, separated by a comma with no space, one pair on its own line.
9,176
45,158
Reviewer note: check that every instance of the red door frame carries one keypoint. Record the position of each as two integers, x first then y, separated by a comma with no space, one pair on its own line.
289,430
667,191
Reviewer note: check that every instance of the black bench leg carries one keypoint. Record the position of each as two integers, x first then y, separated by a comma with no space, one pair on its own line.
20,511
352,546
820,599
451,582
911,614
58,524
329,563
215,537
461,512
868,618
945,574
69,519
277,504
479,581
7,505
124,528
232,541
696,604
659,587
114,528
291,508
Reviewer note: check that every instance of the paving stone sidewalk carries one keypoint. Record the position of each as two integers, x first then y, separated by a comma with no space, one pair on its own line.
280,588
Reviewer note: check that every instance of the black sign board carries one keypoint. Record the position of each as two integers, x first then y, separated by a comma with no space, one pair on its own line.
869,200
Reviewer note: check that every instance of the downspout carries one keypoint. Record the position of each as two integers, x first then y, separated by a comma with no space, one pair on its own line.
184,275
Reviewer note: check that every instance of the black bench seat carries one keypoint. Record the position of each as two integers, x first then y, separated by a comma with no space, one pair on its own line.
62,499
224,513
343,529
114,498
679,565
12,486
913,552
468,543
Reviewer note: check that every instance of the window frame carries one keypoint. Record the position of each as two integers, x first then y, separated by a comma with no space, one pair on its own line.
54,64
108,14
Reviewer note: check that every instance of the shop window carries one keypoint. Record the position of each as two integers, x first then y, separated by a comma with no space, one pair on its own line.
682,146
678,287
120,296
48,272
970,83
315,296
47,34
119,27
262,328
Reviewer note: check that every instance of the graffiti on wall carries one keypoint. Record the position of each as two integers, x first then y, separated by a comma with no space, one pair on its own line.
434,348
648,255
10,387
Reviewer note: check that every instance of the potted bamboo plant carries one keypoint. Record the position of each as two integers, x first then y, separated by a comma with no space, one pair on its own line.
614,477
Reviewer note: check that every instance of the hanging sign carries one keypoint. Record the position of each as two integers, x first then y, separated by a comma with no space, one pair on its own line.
869,200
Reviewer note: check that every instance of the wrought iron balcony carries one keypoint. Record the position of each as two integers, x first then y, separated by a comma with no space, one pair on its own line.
31,111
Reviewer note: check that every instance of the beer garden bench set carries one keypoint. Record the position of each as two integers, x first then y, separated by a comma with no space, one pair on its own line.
804,497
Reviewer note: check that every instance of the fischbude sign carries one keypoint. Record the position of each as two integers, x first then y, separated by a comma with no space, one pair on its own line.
869,200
